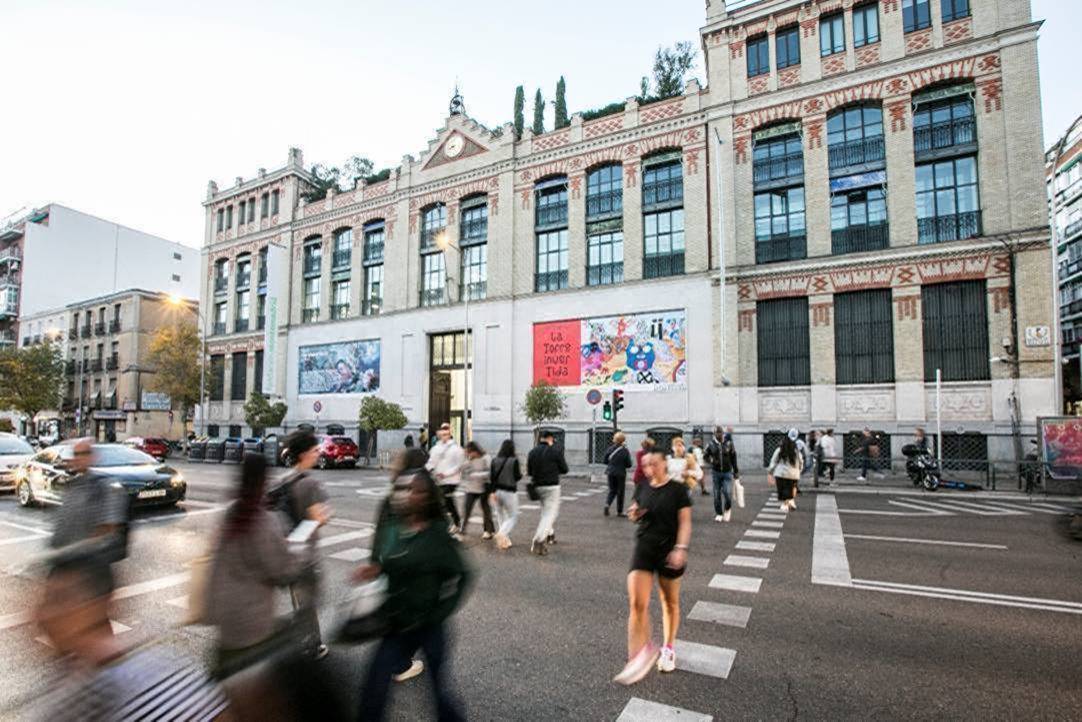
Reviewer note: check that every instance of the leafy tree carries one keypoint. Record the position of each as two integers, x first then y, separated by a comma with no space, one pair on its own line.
562,120
174,355
538,113
543,402
31,378
355,168
327,177
670,67
520,111
261,414
378,415
644,88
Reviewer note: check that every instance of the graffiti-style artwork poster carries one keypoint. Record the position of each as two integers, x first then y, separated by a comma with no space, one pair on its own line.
1061,445
349,367
645,349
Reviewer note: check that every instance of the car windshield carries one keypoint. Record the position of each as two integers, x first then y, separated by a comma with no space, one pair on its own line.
11,445
121,456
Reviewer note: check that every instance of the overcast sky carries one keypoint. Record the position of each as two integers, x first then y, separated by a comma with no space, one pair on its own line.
126,109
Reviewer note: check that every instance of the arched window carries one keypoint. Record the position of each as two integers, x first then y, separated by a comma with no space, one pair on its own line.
604,192
855,139
604,225
943,120
778,177
221,275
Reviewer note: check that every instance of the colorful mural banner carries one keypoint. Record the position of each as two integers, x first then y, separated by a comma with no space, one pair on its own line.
346,367
1061,445
645,349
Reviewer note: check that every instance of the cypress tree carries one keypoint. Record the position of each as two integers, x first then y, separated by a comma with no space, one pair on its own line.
520,111
561,105
538,113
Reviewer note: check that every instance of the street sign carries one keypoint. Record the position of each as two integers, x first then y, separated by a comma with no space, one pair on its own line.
593,397
317,407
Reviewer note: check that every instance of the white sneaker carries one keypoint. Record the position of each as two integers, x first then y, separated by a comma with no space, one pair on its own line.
667,661
638,666
792,504
487,535
784,506
861,478
415,669
719,517
727,515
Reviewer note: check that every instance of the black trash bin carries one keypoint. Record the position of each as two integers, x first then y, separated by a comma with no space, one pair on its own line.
197,450
233,450
215,451
252,445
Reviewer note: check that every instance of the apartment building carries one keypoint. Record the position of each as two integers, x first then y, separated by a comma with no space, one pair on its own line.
1063,171
850,205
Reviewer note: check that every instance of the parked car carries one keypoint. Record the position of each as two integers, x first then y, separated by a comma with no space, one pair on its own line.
42,479
334,452
14,452
154,446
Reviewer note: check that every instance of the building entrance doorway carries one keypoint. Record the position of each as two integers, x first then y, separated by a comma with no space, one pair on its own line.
447,383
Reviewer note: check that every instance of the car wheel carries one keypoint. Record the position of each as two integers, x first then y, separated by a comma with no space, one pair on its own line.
323,463
26,496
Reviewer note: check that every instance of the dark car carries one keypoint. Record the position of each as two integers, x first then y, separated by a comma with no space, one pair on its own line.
42,479
334,451
156,447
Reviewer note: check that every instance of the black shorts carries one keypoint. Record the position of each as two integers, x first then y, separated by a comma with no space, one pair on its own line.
651,558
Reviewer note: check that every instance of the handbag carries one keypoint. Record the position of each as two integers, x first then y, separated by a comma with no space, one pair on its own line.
364,615
531,492
738,492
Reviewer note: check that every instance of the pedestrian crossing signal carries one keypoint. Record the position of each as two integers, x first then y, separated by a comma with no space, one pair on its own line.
606,411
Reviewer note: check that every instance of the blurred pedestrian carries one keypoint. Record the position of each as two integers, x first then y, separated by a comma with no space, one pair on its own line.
828,456
408,442
544,464
445,462
505,474
682,466
475,481
700,458
302,497
784,469
721,456
639,476
423,437
662,509
426,581
869,447
617,462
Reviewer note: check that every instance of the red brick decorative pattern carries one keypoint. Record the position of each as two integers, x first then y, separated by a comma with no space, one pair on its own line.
867,55
377,189
747,319
992,92
899,113
813,134
551,140
575,184
691,160
736,49
631,174
344,199
958,31
834,64
661,111
789,76
1001,299
602,126
917,41
743,292
740,149
821,313
988,64
757,85
889,6
908,307
809,27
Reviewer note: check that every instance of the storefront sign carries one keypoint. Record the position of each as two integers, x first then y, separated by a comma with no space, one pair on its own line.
556,353
155,401
858,180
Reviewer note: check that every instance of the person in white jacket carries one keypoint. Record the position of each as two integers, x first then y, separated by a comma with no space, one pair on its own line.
682,466
445,462
784,470
828,456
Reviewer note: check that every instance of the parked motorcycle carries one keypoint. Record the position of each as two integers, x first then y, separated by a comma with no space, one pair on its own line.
921,466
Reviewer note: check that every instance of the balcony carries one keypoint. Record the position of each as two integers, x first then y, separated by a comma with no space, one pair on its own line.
954,227
9,280
112,363
310,315
341,258
781,248
552,215
9,310
11,232
1072,230
313,265
339,311
221,284
857,239
787,168
663,264
929,140
240,325
474,230
218,328
432,296
97,365
114,326
663,192
9,254
371,306
853,154
604,204
373,252
1070,308
99,328
85,331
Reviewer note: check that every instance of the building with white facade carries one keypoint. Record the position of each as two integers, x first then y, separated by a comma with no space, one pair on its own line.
1064,175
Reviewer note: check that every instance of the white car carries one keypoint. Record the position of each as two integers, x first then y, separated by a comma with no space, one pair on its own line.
14,452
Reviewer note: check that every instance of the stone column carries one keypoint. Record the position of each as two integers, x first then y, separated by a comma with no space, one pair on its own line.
697,234
890,30
356,270
816,186
749,362
824,407
576,229
901,175
634,243
908,353
741,188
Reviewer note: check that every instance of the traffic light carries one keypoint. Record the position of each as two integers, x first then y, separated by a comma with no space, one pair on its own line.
617,404
606,411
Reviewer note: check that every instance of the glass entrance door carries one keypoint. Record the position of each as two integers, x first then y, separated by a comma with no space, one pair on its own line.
447,382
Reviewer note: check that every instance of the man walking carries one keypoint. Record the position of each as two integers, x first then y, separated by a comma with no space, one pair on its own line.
617,462
544,465
828,456
445,462
721,455
869,447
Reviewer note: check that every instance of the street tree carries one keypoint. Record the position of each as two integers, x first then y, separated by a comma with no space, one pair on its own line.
174,355
671,65
520,111
261,413
31,378
543,402
562,120
378,415
538,113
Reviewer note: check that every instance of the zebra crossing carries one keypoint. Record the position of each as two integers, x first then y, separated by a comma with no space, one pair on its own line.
710,660
952,506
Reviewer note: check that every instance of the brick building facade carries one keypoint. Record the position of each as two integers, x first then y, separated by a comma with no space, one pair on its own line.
865,177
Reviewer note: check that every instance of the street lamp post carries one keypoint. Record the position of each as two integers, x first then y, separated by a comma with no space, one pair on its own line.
464,288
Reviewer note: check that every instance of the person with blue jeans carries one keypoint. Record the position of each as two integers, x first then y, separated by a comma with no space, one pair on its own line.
721,456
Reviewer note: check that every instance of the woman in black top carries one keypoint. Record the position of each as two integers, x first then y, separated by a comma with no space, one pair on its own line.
504,475
662,509
617,462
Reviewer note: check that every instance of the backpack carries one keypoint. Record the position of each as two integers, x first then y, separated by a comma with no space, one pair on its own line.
280,499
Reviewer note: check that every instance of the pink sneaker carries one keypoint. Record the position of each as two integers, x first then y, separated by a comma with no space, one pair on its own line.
638,666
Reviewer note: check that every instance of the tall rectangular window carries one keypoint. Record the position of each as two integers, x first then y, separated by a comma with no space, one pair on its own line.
916,15
340,293
758,56
257,380
312,288
954,9
858,220
604,256
787,47
473,240
251,209
955,319
261,310
433,278
832,35
474,271
865,24
777,157
313,258
552,257
864,337
244,299
433,224
948,201
342,254
783,347
239,378
221,219
228,217
944,125
243,213
780,233
373,268
274,203
220,315
663,217
264,205
217,377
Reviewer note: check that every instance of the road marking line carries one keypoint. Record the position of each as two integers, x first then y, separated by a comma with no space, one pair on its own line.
196,502
704,659
1049,605
529,507
920,507
763,534
754,546
641,710
736,583
739,560
982,508
569,498
25,527
959,508
345,537
1051,507
355,554
830,564
925,541
731,615
768,524
23,539
152,585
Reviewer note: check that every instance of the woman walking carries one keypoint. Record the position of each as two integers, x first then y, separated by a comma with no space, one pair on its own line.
828,456
426,581
784,470
617,462
682,466
505,474
639,477
662,509
475,478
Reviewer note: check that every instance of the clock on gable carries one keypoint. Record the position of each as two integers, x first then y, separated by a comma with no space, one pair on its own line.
454,145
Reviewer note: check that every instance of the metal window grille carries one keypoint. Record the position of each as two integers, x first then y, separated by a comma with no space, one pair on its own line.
948,200
955,320
663,185
782,333
663,244
604,192
864,337
240,376
855,138
778,159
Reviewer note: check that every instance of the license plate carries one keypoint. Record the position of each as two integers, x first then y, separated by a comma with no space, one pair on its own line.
151,494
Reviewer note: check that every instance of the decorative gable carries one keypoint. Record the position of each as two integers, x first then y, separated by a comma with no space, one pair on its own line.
455,146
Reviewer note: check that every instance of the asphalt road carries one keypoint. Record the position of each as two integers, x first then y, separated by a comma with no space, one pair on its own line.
856,615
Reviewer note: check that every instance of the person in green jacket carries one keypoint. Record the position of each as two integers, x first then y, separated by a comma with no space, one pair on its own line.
427,579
